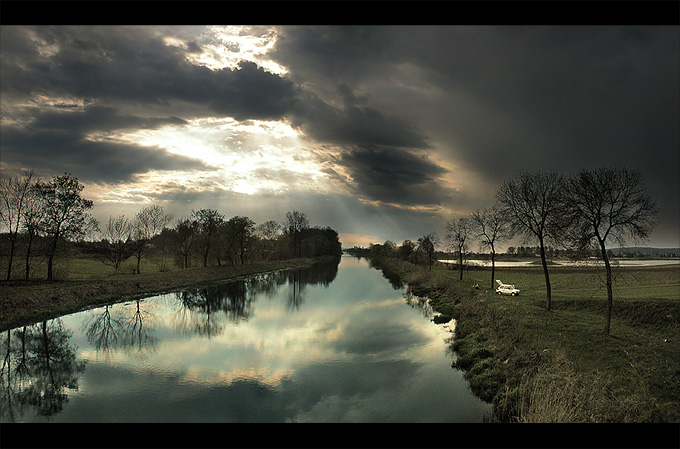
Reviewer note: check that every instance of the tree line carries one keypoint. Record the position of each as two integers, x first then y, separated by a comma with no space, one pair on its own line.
581,213
48,213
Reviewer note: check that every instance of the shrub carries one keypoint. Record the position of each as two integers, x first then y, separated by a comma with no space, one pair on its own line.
486,378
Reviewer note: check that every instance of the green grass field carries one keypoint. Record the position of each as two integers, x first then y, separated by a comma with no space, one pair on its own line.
536,365
81,268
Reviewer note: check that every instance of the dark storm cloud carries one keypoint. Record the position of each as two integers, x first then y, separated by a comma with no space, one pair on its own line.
563,96
328,56
133,65
329,62
492,100
60,151
500,99
394,175
354,124
58,137
130,79
95,118
504,94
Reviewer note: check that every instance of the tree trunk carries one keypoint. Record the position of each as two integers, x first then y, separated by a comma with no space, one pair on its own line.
460,262
207,251
608,267
50,259
46,342
493,266
547,277
13,240
28,253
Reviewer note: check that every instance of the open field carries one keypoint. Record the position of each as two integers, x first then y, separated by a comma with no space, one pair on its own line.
593,263
83,282
558,366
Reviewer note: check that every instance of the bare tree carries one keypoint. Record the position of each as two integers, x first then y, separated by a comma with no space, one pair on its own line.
242,231
457,233
65,212
268,231
296,223
14,195
148,223
490,227
226,242
184,236
533,204
33,216
208,222
427,244
609,204
117,241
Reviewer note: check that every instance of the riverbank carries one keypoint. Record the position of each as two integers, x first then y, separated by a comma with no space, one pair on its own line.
587,263
558,366
26,302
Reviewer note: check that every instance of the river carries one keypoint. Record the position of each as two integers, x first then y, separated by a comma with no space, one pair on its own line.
329,343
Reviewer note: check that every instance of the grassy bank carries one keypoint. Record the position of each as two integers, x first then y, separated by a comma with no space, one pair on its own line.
558,366
84,284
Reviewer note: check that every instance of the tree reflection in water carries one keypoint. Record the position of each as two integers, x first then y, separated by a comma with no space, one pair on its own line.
102,331
137,333
205,311
320,274
126,326
39,366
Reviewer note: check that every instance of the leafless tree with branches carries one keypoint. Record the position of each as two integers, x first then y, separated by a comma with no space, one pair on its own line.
533,204
490,227
148,223
609,204
457,233
14,196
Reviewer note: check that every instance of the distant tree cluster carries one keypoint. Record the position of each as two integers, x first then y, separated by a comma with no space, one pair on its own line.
207,234
424,249
53,214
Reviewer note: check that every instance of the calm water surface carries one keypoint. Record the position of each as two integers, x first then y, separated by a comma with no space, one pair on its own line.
332,343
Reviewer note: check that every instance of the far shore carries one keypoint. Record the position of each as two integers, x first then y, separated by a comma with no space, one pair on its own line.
568,263
28,302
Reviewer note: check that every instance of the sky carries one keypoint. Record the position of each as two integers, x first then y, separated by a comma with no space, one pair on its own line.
382,132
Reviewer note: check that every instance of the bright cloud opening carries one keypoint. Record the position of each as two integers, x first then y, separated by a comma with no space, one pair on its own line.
245,157
225,46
